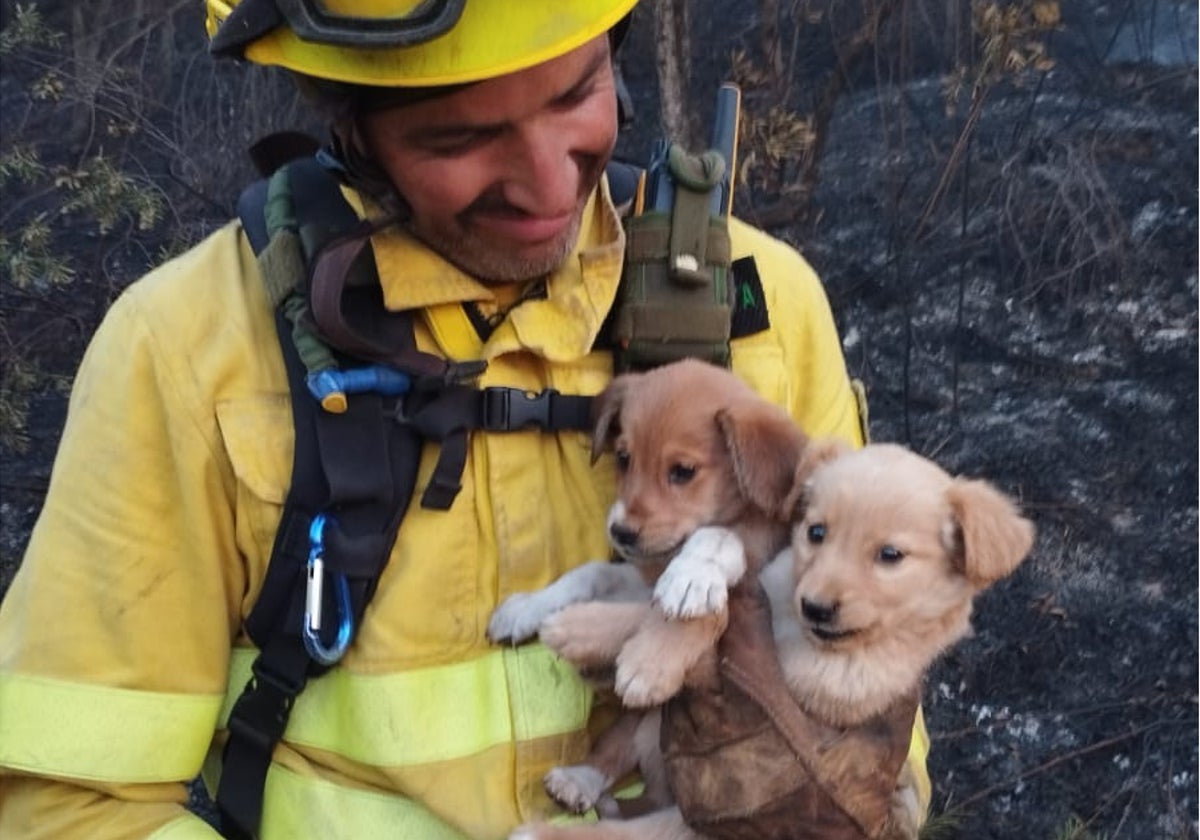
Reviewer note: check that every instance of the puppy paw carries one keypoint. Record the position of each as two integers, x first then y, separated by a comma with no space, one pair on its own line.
592,634
690,589
643,681
519,616
577,788
565,636
697,580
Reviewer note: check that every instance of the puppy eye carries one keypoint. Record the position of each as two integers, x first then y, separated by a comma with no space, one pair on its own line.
681,474
816,533
622,460
890,554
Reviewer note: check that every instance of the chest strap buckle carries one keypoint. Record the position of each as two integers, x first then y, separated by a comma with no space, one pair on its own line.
511,409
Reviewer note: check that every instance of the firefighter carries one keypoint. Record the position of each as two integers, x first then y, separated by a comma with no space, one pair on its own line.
482,130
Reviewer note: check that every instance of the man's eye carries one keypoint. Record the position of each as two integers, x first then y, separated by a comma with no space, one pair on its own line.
816,533
454,142
576,95
454,145
681,473
622,460
890,555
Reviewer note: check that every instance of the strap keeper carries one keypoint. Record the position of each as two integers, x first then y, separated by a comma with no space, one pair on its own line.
440,493
260,715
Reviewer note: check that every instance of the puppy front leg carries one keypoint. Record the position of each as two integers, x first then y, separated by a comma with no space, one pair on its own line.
520,615
655,663
696,582
591,635
578,787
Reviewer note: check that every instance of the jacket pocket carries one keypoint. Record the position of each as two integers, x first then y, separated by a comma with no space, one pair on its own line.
258,437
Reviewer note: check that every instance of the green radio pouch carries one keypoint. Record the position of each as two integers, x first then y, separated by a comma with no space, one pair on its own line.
676,298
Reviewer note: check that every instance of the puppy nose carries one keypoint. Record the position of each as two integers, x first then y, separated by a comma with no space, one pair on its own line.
623,536
817,612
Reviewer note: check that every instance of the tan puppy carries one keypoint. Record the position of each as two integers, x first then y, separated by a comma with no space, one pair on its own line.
887,556
704,467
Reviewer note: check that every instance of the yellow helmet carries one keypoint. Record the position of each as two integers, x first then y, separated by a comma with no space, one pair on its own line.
406,43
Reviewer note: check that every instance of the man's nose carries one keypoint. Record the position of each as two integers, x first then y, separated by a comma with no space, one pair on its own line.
543,175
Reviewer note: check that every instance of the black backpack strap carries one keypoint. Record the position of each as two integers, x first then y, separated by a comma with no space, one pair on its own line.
359,463
363,465
353,478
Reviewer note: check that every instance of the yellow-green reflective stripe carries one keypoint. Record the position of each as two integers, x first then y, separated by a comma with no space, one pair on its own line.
102,733
432,714
306,806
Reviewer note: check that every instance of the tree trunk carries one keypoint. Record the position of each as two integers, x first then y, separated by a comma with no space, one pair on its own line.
673,62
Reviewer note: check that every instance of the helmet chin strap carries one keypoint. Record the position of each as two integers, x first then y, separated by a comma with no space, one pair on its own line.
360,171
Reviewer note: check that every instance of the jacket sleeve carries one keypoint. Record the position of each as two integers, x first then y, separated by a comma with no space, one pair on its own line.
803,338
116,631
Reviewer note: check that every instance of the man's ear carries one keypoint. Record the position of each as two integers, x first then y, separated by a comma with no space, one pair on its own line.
606,408
765,446
993,538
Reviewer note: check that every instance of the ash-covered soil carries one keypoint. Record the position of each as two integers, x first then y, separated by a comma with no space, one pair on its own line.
1072,712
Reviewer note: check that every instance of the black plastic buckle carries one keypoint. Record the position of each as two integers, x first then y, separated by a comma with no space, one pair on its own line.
511,409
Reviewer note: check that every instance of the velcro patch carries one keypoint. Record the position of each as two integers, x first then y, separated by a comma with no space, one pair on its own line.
749,303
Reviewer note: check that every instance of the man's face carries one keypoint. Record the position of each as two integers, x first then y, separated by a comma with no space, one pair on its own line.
497,174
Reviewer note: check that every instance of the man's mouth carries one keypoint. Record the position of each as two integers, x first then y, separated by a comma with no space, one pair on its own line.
522,228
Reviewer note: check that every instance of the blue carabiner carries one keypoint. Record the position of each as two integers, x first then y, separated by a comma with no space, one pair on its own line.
314,593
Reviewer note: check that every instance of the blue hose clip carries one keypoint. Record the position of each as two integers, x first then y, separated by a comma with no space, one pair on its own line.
314,592
331,385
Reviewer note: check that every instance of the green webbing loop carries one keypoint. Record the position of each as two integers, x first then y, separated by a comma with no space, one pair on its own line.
284,269
278,211
698,173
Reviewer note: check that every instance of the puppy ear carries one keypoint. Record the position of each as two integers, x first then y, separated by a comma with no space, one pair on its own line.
606,408
816,453
765,446
993,536
819,452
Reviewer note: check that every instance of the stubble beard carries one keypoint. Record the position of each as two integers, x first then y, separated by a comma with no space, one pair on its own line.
489,263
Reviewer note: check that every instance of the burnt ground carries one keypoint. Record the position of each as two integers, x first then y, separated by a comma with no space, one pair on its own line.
1038,327
1072,711
1075,702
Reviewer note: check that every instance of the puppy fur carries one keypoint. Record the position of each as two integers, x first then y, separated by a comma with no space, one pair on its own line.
887,554
704,469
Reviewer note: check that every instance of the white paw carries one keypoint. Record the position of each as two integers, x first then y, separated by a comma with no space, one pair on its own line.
690,588
697,580
519,617
577,788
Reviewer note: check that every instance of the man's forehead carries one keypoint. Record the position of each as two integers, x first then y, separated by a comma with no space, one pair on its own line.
504,98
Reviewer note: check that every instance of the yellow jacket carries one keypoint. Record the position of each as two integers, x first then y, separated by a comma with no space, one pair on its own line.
121,648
